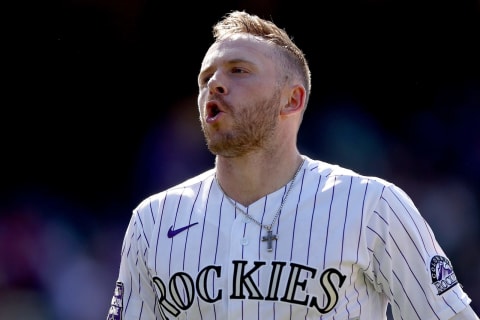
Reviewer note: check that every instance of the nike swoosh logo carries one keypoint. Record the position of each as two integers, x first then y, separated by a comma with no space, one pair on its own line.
173,232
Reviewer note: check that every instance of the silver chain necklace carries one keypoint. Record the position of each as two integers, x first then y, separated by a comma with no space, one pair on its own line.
270,236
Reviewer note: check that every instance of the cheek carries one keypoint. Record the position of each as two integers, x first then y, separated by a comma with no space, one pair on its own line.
200,104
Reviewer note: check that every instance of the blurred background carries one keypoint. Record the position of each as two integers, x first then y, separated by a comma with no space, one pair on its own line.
99,111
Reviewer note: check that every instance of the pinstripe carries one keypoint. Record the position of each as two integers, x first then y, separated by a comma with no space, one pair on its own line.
158,234
259,248
406,293
200,251
216,246
345,223
296,214
404,228
129,295
141,311
263,222
152,213
328,224
343,239
412,272
312,216
189,222
174,224
406,261
360,231
339,246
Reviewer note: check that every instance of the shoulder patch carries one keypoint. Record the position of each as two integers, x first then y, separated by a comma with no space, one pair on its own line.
115,311
443,277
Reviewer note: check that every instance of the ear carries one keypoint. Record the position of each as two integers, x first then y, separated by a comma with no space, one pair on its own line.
295,100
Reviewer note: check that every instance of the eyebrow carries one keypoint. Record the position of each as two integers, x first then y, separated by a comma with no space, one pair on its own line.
228,62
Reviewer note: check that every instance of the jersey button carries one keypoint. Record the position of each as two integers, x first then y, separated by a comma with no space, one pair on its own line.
244,241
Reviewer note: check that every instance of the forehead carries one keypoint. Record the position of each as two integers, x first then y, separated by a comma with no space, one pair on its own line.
239,47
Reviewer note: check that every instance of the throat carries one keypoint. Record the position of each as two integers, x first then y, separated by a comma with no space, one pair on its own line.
270,236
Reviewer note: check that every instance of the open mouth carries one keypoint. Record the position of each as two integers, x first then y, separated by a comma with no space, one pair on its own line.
213,110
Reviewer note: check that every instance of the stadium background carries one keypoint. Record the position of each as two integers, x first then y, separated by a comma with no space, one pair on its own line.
99,111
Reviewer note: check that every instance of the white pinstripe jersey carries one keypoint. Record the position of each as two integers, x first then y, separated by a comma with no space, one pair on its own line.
347,245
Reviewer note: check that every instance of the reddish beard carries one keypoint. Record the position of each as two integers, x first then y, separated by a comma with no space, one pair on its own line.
253,127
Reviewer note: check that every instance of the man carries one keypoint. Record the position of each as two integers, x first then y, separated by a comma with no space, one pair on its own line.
270,233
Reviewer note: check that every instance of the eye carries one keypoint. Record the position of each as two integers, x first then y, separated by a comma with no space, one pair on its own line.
239,70
203,80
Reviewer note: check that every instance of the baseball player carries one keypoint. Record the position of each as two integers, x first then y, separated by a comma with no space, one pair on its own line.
270,233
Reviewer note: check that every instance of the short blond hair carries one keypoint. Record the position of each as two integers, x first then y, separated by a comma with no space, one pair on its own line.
242,22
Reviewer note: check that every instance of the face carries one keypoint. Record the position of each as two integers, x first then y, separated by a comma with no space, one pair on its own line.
239,96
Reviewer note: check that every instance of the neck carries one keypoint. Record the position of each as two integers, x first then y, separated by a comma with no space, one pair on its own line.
247,179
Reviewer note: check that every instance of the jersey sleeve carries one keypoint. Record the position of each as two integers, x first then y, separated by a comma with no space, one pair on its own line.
134,295
407,263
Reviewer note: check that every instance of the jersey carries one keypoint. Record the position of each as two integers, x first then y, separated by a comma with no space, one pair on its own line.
346,246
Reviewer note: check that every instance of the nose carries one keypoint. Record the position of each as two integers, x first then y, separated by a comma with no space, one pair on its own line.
216,84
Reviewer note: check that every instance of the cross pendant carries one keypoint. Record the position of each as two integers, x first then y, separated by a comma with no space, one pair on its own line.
269,237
